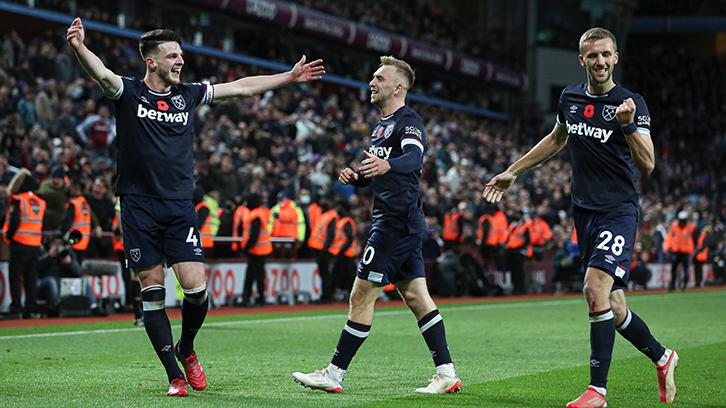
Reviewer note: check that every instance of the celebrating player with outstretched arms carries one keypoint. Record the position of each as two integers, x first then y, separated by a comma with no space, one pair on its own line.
155,121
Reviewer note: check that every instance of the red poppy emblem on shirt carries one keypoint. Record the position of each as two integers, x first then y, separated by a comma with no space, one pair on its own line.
589,111
165,106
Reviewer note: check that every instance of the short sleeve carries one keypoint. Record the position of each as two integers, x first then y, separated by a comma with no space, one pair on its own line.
124,82
412,132
642,115
201,92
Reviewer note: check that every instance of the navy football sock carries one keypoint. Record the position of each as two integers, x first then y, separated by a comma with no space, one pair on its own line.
194,310
602,339
158,328
634,330
352,337
432,329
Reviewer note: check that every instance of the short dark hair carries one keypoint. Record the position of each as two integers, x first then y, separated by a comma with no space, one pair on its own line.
150,41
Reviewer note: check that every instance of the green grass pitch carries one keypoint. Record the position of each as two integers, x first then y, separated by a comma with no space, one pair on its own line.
520,353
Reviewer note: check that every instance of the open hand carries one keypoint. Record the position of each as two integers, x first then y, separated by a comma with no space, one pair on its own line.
496,187
76,34
311,71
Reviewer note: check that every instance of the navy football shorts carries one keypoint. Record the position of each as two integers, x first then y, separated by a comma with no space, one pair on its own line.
159,231
606,242
392,255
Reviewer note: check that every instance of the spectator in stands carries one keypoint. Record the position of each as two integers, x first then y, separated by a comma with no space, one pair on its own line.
53,191
103,207
97,131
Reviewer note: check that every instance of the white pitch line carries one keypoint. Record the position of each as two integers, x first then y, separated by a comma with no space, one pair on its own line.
488,306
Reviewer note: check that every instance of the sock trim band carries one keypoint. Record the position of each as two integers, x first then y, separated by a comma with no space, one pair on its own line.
357,333
625,324
601,316
431,322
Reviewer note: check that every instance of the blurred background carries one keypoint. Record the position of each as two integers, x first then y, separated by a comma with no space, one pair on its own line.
489,74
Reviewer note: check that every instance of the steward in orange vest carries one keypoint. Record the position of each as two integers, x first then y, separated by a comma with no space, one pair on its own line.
206,217
321,239
701,254
257,247
491,235
239,224
539,234
344,249
78,217
23,231
517,248
680,243
452,227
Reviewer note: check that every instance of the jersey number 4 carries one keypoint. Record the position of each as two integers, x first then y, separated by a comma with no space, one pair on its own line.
192,237
618,243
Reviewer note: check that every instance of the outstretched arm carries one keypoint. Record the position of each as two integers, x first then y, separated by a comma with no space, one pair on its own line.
93,65
255,85
546,148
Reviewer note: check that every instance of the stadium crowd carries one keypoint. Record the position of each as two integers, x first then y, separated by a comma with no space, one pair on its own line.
55,120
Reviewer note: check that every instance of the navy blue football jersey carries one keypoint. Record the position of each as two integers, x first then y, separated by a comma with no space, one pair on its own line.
603,171
397,202
156,138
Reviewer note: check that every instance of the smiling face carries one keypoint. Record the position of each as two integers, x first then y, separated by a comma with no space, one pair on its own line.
384,84
599,58
167,63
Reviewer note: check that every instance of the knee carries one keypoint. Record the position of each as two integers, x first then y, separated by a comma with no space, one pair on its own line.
592,291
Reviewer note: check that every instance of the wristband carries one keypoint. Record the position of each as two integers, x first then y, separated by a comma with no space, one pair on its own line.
629,129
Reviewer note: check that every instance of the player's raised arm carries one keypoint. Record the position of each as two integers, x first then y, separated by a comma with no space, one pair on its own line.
546,148
93,65
641,145
255,85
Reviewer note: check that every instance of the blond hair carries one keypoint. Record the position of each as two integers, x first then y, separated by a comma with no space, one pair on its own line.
402,68
595,34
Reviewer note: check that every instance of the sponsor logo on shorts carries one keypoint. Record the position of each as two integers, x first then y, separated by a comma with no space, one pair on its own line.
198,251
619,271
135,254
375,277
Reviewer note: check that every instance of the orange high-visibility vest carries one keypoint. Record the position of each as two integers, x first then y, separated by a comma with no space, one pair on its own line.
32,210
497,229
314,212
286,225
263,246
540,232
680,240
702,255
320,230
451,227
240,217
205,231
341,238
81,222
516,234
118,243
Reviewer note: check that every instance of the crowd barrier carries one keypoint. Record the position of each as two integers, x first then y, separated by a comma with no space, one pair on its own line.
225,281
